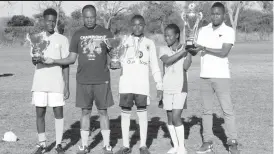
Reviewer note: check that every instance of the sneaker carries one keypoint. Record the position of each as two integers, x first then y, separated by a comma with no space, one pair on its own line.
108,150
39,149
233,147
124,150
59,149
83,150
207,147
144,150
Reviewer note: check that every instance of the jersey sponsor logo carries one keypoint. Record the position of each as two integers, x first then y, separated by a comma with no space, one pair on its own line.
91,45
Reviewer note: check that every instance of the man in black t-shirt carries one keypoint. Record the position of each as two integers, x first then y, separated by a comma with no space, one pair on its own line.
93,76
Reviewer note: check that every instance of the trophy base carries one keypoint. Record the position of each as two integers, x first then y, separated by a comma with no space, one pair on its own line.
37,59
115,65
190,47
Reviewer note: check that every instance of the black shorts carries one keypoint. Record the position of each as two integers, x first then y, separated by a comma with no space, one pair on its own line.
100,93
126,100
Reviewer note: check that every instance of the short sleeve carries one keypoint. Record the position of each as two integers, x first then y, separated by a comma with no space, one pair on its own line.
229,36
162,51
73,47
65,48
200,37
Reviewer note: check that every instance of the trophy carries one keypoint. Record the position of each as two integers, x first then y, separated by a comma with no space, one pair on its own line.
40,43
191,20
117,46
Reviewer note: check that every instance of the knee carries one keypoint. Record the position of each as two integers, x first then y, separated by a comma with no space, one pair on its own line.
103,113
86,112
176,120
127,109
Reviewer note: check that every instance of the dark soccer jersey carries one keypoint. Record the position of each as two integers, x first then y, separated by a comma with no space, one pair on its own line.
92,54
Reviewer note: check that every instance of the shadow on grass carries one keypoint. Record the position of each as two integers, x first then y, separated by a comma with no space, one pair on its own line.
6,75
154,125
218,130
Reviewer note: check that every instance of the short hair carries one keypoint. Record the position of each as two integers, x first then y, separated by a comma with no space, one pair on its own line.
219,5
89,7
137,17
175,28
50,11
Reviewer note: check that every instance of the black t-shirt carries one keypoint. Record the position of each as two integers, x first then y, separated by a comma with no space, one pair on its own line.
92,54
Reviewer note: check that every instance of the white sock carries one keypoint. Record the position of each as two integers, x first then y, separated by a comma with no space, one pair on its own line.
59,127
125,124
84,137
42,139
174,139
143,126
105,134
180,131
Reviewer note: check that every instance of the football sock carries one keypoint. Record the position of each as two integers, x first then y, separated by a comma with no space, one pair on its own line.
174,139
42,139
106,135
180,131
84,137
59,127
125,124
142,114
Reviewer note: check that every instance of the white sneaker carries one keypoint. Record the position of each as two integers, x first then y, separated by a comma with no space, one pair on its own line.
172,151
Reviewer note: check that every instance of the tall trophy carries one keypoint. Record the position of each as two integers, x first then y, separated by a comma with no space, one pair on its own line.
117,47
39,42
191,20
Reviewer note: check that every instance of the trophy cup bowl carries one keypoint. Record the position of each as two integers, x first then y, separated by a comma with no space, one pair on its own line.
116,45
39,44
191,20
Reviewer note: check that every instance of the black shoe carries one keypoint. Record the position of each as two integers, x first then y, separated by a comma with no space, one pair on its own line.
207,147
233,147
124,150
59,149
39,149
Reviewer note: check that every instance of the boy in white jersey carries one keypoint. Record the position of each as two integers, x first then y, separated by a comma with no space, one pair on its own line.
176,62
50,83
134,81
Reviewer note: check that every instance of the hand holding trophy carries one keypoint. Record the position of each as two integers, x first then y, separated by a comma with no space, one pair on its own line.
191,21
39,43
117,47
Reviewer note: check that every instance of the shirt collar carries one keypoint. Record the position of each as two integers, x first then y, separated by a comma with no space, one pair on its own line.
219,28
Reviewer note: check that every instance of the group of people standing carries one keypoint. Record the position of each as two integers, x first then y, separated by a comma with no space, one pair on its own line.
51,79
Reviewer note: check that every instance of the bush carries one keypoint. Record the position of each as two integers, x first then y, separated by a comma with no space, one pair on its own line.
20,20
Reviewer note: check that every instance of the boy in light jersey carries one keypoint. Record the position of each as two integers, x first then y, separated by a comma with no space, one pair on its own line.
139,55
51,83
176,62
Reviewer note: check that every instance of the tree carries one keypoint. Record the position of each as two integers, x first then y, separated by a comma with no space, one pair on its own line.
107,10
20,20
158,13
76,14
233,11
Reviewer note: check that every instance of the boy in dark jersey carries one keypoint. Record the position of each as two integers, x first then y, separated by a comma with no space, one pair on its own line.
93,76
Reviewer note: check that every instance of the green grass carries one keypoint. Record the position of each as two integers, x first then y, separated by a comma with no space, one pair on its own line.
251,69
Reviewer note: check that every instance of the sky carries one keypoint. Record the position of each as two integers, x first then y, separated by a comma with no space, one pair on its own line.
28,8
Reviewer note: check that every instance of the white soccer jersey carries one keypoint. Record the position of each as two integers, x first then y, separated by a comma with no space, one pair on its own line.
135,66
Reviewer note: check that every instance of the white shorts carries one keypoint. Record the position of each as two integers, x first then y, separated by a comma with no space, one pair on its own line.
174,101
44,99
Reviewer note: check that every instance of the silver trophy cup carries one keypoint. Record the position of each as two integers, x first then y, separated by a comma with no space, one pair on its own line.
116,45
191,20
39,43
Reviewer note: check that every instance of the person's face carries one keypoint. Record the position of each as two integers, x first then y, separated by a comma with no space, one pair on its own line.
49,23
89,17
217,16
138,26
170,36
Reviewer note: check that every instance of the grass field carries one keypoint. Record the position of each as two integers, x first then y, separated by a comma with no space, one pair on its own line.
252,93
